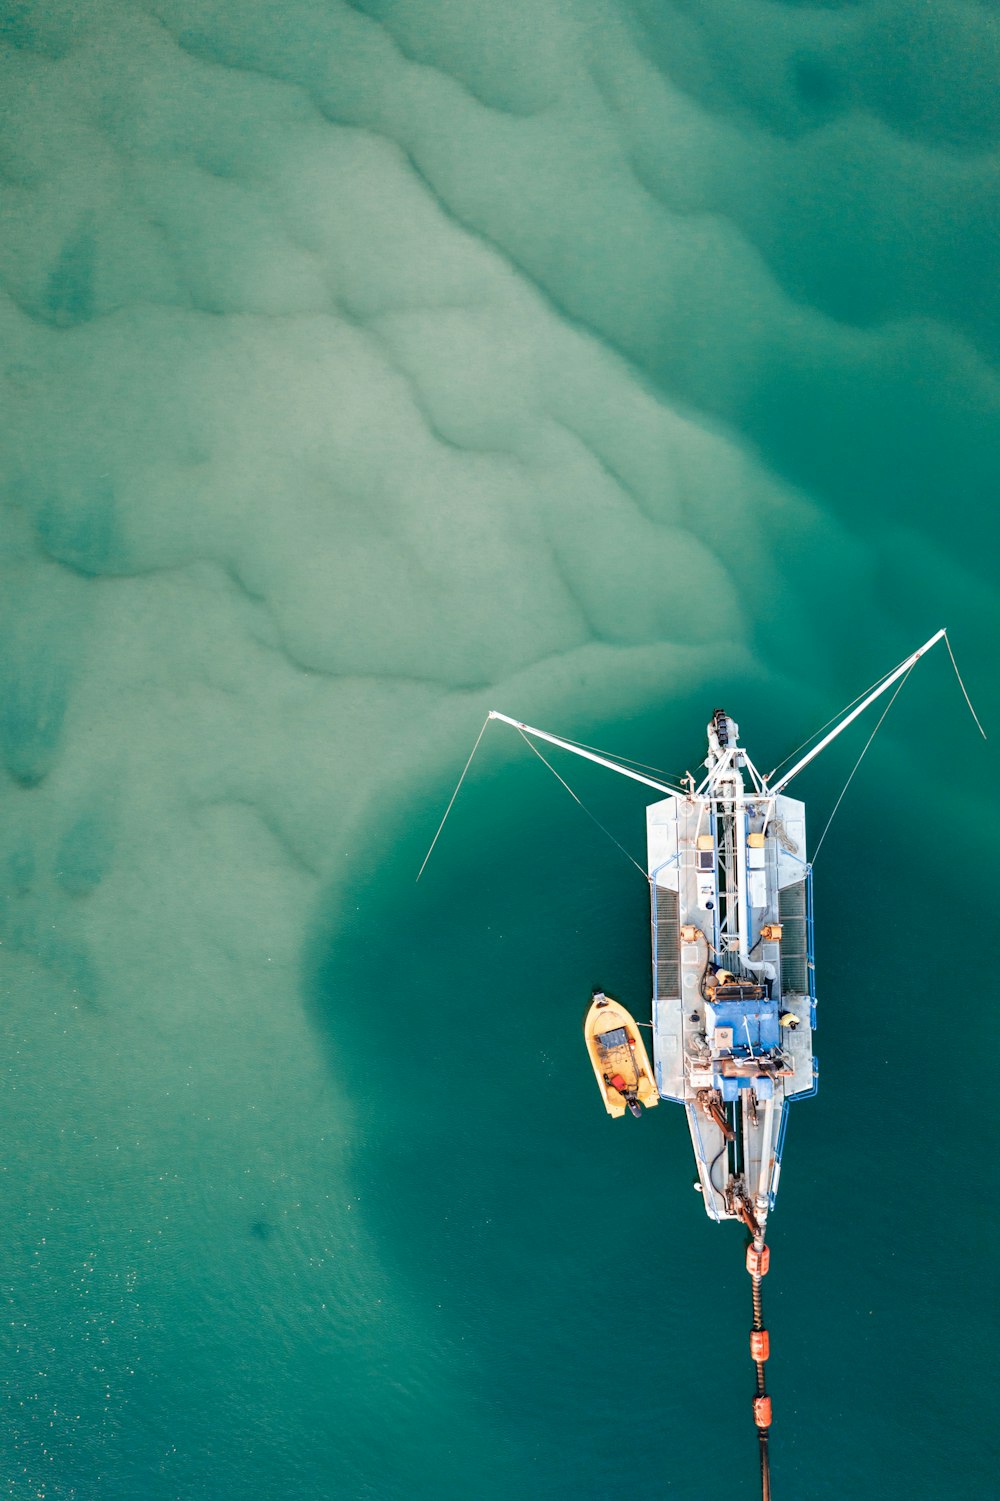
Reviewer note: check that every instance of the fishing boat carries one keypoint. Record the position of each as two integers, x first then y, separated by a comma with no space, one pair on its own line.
734,1003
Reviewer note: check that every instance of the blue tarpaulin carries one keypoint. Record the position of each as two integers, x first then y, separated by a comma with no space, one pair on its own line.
753,1021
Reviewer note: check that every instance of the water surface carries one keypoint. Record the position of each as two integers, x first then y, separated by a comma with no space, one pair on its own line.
366,367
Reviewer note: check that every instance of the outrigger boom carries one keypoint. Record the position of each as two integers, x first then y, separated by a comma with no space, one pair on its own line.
763,784
894,676
579,750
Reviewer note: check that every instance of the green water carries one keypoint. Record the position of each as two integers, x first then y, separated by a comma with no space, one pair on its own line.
365,367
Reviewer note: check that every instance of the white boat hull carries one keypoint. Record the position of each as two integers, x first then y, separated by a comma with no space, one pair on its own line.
736,1055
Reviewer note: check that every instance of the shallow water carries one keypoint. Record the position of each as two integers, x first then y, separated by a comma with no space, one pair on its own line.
366,367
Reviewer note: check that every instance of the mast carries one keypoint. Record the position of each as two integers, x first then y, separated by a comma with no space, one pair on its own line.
723,785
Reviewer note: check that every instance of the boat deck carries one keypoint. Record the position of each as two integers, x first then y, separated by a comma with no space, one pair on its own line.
727,1044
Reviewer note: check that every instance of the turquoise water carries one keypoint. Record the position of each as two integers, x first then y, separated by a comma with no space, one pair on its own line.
366,367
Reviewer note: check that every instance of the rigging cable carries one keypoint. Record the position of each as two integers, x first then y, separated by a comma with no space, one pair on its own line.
669,777
968,700
532,746
847,707
646,766
858,762
447,810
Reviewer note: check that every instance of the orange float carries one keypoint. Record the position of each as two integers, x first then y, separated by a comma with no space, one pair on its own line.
760,1344
762,1411
758,1261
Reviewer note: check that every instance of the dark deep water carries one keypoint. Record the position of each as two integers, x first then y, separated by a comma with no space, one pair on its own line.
366,367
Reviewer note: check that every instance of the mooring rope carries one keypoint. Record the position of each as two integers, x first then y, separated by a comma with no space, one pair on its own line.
762,1428
765,1466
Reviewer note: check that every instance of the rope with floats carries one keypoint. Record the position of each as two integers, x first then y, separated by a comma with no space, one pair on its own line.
758,1260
